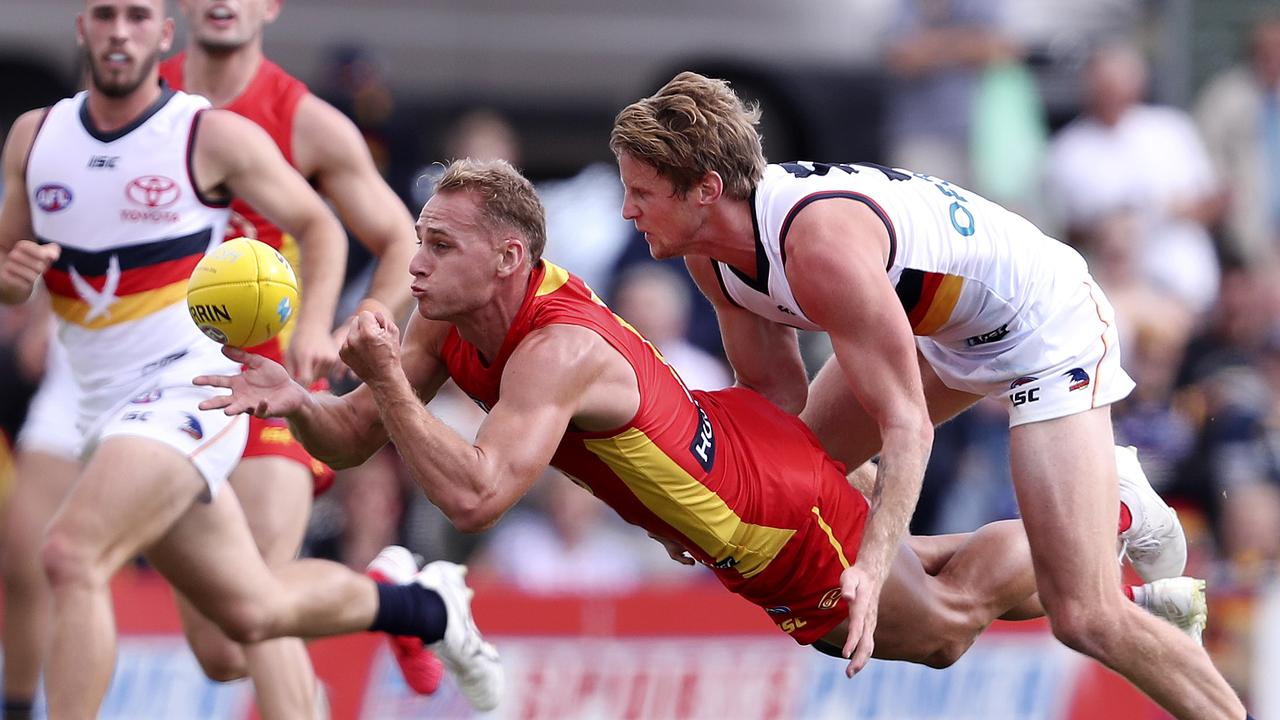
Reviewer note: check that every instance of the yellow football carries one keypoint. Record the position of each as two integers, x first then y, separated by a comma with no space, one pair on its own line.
242,293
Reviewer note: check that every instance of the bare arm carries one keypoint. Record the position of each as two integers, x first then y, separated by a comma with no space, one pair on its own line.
837,260
765,355
328,148
22,262
234,154
347,436
475,484
341,431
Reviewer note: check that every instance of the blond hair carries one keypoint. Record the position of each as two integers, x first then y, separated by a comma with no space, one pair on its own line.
692,126
507,198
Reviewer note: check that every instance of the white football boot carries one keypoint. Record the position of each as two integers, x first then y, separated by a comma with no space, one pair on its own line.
1179,600
474,663
1154,543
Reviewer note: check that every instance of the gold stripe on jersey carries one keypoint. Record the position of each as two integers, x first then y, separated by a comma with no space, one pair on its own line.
844,562
688,506
944,302
123,309
553,278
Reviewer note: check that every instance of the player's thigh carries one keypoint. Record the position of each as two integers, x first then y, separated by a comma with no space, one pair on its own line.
42,480
220,657
130,492
1064,475
209,556
275,496
845,429
909,616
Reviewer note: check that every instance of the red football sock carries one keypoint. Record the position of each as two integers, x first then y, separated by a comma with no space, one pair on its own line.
1126,518
1128,592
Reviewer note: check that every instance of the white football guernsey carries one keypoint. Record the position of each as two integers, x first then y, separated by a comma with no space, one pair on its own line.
132,226
985,291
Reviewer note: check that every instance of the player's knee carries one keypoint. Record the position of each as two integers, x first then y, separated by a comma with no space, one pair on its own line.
1086,627
68,562
948,653
244,622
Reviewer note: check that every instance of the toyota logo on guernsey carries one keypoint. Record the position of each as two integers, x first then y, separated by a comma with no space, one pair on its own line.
152,193
53,197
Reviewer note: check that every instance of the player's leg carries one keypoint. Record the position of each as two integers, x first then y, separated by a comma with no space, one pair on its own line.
933,618
211,558
847,432
960,557
1064,473
275,496
131,491
42,480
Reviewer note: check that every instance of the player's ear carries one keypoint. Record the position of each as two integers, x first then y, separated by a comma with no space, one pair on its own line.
80,39
166,37
709,188
512,255
273,10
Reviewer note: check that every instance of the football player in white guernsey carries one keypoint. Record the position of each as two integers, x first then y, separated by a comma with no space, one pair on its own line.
933,298
111,197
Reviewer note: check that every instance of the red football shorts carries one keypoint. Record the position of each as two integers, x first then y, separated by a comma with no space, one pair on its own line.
270,437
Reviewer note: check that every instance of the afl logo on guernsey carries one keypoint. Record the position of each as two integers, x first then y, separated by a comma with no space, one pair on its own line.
52,197
153,191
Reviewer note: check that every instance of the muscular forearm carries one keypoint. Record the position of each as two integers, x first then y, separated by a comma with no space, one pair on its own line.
329,430
893,497
453,473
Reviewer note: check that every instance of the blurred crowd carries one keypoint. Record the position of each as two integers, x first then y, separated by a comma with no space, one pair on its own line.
1177,210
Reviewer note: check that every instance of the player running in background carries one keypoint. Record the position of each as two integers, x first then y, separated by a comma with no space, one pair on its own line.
224,62
725,476
113,196
874,256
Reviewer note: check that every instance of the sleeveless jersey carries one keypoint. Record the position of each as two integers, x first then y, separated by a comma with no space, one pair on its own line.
709,470
966,270
132,226
270,100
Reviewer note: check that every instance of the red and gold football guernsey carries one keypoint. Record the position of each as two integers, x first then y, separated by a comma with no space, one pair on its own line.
743,486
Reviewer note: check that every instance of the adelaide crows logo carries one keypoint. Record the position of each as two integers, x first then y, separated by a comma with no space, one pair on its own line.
1079,378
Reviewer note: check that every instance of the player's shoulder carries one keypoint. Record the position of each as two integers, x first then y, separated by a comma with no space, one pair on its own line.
23,132
322,130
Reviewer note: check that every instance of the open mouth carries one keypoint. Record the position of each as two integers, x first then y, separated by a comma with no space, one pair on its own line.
220,16
117,60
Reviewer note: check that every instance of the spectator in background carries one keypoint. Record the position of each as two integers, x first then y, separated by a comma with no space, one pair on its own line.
1126,156
936,54
656,300
1239,114
1230,387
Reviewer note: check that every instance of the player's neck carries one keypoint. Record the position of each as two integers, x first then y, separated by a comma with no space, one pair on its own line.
221,77
112,113
729,236
487,327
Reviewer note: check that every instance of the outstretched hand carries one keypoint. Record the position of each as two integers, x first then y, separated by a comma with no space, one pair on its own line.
674,550
862,593
263,388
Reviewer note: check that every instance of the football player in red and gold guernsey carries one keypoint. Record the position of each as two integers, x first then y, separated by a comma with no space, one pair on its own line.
224,61
725,476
